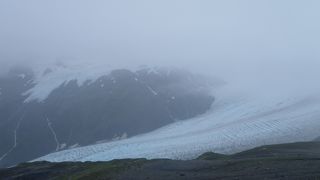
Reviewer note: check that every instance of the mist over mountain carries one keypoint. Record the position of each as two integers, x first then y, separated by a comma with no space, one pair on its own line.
246,42
38,118
106,79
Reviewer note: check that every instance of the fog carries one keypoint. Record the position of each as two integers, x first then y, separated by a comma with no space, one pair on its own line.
245,41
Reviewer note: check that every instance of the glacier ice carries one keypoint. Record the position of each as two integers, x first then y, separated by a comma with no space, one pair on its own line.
236,122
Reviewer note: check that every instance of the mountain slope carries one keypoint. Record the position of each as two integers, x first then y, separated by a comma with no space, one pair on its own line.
53,111
236,122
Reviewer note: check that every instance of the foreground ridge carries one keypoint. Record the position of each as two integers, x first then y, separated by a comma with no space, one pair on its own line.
283,161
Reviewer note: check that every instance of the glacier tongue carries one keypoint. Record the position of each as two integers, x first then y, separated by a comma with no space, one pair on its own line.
235,123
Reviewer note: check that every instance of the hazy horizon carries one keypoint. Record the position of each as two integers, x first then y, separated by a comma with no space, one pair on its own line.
245,40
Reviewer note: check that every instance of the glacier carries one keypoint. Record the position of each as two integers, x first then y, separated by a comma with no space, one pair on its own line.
236,122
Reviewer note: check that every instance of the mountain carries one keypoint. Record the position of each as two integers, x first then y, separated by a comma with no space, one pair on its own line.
235,122
61,108
283,161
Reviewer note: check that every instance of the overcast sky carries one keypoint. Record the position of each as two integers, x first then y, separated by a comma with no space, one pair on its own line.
229,38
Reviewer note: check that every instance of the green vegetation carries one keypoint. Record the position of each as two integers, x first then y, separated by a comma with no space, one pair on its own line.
284,161
212,156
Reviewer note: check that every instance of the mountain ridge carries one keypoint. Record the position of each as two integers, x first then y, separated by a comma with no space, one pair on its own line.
299,160
120,104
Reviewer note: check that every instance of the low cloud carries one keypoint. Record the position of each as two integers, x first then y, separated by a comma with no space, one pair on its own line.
275,42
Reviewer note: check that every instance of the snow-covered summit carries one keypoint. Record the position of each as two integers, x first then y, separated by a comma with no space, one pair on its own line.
51,77
48,79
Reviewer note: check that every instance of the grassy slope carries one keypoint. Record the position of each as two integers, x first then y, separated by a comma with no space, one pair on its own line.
286,161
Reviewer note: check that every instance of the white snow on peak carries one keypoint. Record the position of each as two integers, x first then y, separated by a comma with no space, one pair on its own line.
22,76
50,78
113,80
45,83
235,123
157,70
153,71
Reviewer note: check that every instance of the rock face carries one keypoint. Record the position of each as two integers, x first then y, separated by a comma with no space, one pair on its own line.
113,106
284,161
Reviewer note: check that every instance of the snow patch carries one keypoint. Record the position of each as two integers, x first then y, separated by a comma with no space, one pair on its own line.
113,80
153,71
15,139
22,76
63,146
74,146
54,135
152,90
46,83
117,138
